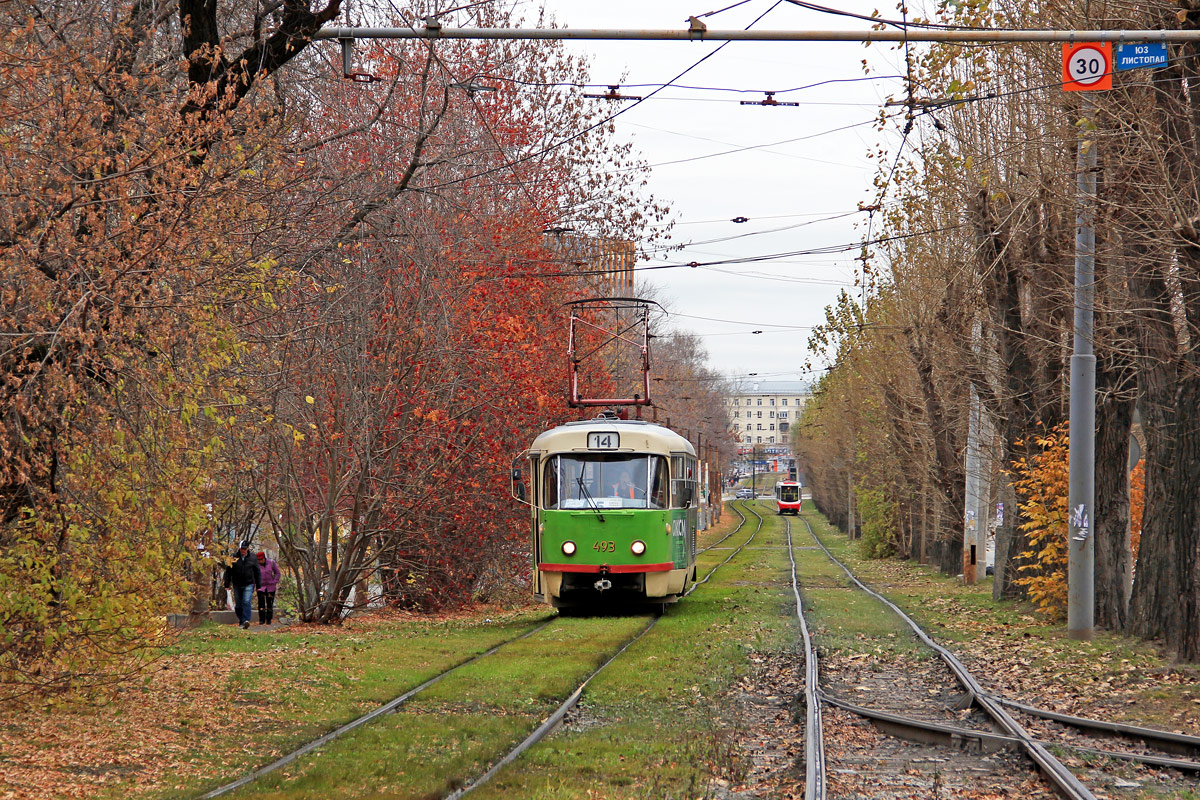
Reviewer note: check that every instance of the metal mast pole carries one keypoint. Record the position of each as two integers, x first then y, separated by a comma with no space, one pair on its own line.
434,30
1081,597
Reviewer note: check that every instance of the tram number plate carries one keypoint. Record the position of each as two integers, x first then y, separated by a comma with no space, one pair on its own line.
605,547
603,440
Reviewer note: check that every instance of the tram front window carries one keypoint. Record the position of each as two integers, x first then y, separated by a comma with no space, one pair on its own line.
605,481
789,494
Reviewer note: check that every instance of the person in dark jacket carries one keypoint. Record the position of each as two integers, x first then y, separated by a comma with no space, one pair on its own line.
243,576
266,589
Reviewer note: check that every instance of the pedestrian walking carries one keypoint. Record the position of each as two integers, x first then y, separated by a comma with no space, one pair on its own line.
243,576
269,571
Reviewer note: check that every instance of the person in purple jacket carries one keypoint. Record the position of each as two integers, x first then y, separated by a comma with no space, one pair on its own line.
266,589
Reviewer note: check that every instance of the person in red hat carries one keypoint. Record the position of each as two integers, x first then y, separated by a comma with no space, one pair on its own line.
267,587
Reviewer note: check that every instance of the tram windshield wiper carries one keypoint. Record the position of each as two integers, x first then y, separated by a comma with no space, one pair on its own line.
588,496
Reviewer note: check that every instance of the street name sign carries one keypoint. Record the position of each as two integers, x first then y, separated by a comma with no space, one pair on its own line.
1140,55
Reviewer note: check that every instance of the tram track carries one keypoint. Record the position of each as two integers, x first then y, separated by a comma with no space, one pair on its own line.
555,719
548,725
814,734
387,708
920,723
936,719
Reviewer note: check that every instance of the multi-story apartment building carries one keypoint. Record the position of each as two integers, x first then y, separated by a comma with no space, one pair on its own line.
762,412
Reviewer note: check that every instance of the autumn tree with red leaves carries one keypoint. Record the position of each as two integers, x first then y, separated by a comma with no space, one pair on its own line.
414,346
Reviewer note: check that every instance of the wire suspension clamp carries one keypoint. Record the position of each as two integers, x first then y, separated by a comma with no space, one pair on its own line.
613,94
769,100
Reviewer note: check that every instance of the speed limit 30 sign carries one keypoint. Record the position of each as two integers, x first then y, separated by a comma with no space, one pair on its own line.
1087,66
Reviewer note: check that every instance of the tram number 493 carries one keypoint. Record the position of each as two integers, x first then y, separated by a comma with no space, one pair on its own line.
605,547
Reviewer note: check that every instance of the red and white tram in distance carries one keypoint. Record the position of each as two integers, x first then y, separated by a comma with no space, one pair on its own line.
787,495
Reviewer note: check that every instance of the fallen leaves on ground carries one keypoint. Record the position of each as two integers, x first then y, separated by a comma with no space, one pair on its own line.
193,716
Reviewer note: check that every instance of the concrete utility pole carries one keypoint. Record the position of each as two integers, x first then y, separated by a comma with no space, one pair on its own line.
850,501
971,521
1081,548
983,514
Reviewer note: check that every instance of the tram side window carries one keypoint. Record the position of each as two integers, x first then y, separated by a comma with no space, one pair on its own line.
659,482
550,483
683,484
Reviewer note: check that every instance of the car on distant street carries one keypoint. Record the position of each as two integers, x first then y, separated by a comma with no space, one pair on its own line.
745,493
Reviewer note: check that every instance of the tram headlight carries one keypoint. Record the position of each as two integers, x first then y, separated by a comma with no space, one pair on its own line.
568,548
638,547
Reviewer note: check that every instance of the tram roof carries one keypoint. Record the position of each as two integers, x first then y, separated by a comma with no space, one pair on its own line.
636,436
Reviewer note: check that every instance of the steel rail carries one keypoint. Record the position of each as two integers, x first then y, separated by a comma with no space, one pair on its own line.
550,723
386,708
940,733
1180,764
814,733
1168,741
977,35
555,719
734,552
1065,782
920,730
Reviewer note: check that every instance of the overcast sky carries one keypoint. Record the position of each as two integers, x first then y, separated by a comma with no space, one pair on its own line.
799,195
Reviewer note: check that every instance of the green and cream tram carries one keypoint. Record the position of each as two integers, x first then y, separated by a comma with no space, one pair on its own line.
613,513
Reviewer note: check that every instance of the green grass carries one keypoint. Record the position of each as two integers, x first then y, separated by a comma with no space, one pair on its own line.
843,618
314,681
653,725
455,729
290,687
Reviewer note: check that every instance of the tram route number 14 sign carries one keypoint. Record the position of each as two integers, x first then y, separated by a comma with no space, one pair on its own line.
1087,66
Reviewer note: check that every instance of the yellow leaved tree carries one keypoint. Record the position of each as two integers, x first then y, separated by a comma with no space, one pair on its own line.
1042,484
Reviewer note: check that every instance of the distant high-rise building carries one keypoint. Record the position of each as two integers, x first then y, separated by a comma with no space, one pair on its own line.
605,263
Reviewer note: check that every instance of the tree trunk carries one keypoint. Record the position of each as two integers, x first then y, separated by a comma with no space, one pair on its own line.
926,506
1005,573
946,547
1166,589
1114,419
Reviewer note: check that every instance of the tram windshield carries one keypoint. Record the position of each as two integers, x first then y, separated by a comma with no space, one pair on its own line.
605,481
789,493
